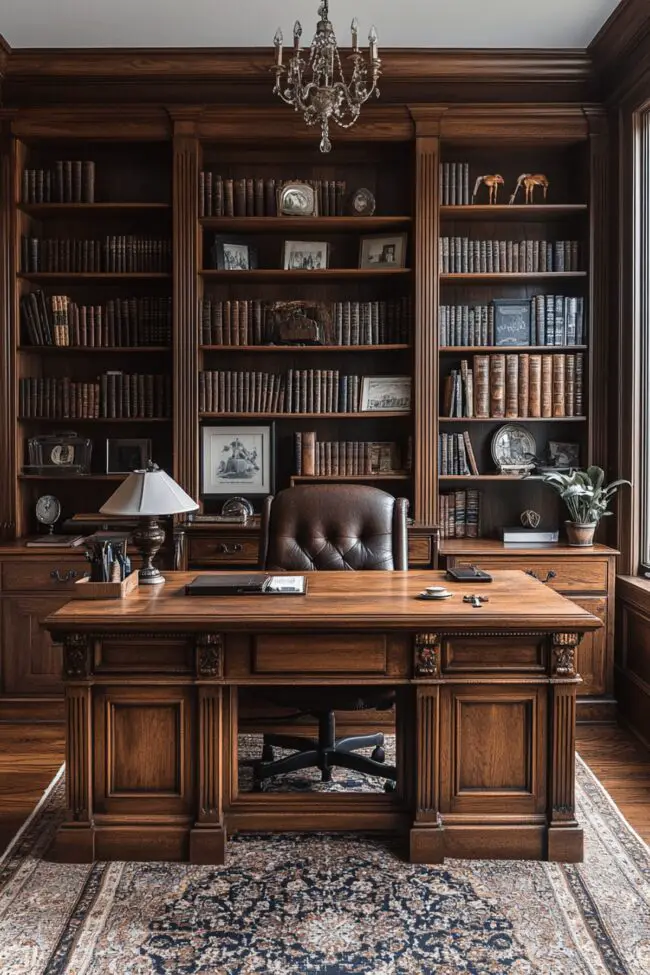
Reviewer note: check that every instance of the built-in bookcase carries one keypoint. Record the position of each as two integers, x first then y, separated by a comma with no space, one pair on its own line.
94,252
541,383
249,177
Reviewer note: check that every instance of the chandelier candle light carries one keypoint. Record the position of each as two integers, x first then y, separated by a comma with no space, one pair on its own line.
317,87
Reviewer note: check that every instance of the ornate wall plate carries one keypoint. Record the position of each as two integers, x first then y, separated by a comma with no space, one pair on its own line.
297,199
362,203
513,449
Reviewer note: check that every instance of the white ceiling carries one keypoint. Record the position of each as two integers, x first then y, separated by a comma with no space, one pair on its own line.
252,23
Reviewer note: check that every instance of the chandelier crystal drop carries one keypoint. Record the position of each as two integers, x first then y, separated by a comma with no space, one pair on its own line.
316,86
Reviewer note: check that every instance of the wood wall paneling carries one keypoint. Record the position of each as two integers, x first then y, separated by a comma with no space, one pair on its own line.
8,268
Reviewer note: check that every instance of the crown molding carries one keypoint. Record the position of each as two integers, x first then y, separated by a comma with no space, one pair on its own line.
243,75
620,51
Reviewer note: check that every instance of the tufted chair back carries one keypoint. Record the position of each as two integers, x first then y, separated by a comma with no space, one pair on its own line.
329,527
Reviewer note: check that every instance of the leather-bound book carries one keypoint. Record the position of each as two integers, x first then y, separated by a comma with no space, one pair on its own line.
547,385
227,323
240,197
469,450
512,386
524,384
570,385
258,197
228,198
88,181
481,370
250,196
269,198
497,385
559,384
579,387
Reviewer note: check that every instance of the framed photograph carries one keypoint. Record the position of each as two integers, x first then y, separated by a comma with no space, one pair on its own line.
511,321
563,454
124,456
384,457
385,393
297,199
59,453
305,255
231,254
381,251
237,459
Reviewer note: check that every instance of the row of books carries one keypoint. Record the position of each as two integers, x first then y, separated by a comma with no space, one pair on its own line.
456,455
71,181
454,183
343,458
222,196
459,514
551,320
297,391
57,320
250,322
116,395
511,386
116,254
460,255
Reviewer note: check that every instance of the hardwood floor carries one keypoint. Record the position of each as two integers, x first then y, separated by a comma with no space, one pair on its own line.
31,755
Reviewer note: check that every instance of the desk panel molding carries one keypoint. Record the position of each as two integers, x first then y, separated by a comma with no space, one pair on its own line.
427,655
564,654
76,656
209,655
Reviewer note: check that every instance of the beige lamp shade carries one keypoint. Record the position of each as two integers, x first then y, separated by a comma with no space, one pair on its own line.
148,493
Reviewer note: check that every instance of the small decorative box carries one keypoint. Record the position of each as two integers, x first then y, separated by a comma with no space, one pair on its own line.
85,589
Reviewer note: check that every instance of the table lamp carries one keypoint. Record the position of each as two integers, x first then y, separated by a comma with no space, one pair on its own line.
149,494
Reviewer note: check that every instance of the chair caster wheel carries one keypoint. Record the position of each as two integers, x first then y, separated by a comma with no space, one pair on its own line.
378,754
267,753
390,786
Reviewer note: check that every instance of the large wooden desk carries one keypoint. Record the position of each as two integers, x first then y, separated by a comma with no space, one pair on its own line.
485,714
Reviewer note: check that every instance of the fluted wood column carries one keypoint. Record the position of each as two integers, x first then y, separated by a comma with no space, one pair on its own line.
8,473
185,301
425,339
600,260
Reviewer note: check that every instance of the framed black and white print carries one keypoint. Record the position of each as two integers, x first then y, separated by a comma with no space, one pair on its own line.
233,254
237,459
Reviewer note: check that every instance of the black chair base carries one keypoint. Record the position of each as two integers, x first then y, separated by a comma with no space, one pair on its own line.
324,753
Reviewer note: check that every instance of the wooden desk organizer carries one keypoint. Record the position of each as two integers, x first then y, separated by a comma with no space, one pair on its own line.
85,589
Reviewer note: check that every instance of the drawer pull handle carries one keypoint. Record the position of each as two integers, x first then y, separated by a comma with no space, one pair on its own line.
66,577
551,574
225,549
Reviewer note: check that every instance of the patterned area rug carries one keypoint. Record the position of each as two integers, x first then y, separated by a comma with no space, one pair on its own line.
329,905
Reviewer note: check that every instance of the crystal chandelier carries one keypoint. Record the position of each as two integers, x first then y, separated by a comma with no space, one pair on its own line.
317,87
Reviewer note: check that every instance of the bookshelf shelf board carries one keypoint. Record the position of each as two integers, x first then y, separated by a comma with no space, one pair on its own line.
504,277
304,348
456,349
303,416
315,478
44,209
304,224
94,419
280,274
59,349
487,477
94,276
513,419
520,212
72,477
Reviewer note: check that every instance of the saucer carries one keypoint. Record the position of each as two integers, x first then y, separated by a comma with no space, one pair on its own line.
434,595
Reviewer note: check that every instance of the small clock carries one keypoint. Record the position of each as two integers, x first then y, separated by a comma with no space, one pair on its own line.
48,510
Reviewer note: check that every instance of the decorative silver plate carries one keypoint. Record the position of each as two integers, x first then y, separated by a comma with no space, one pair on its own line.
297,199
237,506
513,449
362,203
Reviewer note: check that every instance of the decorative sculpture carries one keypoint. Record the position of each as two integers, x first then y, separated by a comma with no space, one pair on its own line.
529,181
530,518
493,183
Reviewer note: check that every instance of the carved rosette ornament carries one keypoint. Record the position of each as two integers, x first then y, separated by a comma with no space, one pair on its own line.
76,655
209,655
564,654
427,655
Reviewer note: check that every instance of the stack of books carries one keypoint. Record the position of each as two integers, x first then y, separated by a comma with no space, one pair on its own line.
459,514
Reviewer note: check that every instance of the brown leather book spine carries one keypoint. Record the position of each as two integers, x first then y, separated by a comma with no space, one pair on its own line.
269,198
470,453
481,370
512,386
228,198
547,385
559,384
227,323
243,321
497,385
570,385
535,385
240,197
579,388
524,384
258,197
250,197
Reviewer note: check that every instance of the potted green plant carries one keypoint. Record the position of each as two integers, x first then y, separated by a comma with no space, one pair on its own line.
586,496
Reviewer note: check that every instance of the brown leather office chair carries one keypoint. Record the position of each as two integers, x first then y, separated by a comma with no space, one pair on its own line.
333,527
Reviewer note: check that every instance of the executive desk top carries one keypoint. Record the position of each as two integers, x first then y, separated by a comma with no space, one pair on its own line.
337,600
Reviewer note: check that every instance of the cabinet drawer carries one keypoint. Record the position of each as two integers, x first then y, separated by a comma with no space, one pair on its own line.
53,575
224,550
564,574
318,653
420,551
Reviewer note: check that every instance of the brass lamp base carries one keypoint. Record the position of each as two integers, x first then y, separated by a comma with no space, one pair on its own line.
147,538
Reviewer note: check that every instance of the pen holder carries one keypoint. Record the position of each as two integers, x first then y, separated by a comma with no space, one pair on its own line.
85,589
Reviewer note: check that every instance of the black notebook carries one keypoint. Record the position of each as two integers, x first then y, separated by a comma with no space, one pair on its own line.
247,584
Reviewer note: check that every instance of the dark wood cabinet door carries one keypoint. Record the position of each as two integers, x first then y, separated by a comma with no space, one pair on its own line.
593,665
31,662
